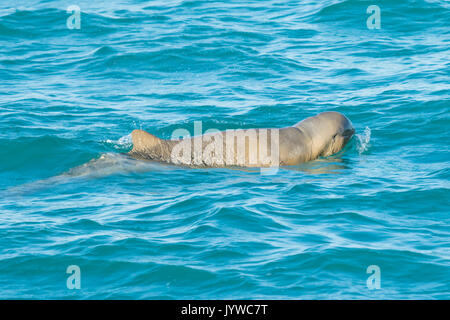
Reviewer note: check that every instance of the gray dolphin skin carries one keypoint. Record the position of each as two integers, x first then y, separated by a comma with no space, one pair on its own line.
319,136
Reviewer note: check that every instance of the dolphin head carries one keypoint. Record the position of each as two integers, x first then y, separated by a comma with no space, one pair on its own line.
329,132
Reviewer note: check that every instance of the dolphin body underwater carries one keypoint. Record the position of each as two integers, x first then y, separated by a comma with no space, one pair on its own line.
318,136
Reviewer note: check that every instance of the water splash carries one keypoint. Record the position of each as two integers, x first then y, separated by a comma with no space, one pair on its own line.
122,144
363,141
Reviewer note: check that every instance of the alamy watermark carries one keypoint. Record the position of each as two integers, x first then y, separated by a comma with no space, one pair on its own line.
74,280
374,280
74,20
233,147
374,20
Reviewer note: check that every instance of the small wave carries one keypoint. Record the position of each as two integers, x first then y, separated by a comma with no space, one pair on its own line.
109,164
363,141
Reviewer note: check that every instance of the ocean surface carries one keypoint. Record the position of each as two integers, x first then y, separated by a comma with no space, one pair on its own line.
70,97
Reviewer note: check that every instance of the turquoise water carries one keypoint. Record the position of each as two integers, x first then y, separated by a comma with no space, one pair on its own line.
139,230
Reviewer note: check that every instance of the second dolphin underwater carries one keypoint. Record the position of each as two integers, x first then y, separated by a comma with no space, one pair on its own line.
318,136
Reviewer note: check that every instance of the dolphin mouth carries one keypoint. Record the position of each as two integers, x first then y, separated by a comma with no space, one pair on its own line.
348,133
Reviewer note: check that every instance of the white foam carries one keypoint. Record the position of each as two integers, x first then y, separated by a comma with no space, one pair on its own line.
122,143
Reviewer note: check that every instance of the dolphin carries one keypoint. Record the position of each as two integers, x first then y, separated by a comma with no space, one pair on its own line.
318,136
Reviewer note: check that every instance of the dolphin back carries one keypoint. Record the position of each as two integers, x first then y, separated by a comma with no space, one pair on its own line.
148,146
